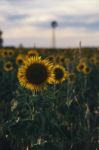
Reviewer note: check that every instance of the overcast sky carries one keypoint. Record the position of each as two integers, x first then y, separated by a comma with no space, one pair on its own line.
28,22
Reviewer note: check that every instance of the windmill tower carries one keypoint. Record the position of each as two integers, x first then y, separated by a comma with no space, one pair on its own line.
1,40
80,49
54,24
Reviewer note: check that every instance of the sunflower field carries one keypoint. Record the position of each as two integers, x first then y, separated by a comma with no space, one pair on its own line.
49,99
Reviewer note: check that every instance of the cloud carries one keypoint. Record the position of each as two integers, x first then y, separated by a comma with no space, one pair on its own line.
23,20
86,21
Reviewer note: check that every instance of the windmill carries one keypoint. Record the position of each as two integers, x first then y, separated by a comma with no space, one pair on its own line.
54,24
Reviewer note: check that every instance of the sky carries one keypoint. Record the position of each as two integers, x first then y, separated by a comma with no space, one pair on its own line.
29,22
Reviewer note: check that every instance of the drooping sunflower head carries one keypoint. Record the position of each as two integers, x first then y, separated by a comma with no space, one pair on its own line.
80,67
20,59
35,74
32,53
86,70
8,66
60,74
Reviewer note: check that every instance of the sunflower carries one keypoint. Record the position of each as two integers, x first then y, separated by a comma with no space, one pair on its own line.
57,59
51,58
35,74
86,70
60,74
67,61
80,67
32,53
20,59
8,66
97,62
62,60
10,53
83,59
93,60
4,53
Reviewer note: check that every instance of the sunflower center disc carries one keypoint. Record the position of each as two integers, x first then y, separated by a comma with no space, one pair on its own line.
87,70
8,65
81,67
59,74
37,73
20,61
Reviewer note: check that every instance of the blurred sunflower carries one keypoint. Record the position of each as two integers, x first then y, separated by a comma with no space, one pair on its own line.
57,59
93,60
60,74
20,59
4,53
8,66
32,53
11,53
86,70
80,67
51,58
35,74
62,60
67,61
97,62
83,60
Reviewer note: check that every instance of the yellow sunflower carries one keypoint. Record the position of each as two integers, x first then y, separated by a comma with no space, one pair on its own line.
80,66
93,60
32,53
11,53
60,74
62,60
83,59
4,53
97,62
8,66
86,70
51,58
57,59
20,59
67,61
35,74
